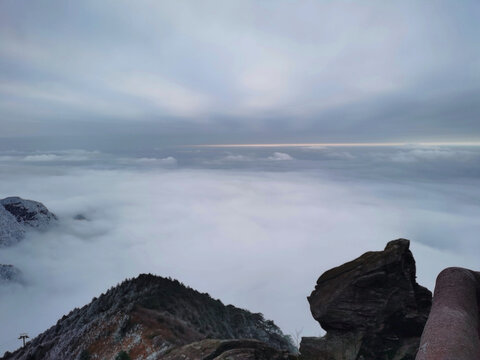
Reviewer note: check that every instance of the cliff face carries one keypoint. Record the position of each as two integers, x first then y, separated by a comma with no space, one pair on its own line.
371,308
150,318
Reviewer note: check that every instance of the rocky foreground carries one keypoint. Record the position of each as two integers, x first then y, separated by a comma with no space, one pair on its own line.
372,309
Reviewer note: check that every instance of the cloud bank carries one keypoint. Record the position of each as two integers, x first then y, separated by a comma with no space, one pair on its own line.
256,234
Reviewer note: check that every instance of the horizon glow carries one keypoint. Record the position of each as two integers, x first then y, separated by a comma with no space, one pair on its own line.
371,144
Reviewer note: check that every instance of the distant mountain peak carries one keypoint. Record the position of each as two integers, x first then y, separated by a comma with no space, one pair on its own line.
28,212
17,215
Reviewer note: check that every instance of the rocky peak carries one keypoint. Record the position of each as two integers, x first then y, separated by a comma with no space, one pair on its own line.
28,212
150,317
369,307
17,215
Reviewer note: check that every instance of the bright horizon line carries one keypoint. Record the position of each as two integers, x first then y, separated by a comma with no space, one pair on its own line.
353,144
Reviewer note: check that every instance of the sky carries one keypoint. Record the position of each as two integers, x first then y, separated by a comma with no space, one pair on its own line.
122,74
367,113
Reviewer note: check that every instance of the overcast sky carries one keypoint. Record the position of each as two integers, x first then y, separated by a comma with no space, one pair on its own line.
170,72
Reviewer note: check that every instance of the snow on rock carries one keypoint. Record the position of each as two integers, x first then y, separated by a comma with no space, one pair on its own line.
9,273
17,215
11,231
28,212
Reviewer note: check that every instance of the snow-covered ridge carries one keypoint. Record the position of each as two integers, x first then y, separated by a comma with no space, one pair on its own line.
17,215
28,212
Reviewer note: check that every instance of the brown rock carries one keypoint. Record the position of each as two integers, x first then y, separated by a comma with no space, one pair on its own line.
371,307
227,350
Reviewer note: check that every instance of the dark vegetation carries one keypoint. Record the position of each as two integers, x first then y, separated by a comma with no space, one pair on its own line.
122,355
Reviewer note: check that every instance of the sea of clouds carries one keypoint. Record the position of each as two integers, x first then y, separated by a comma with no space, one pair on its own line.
254,227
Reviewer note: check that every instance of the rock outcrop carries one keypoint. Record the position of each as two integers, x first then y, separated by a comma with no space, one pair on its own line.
371,308
150,317
453,327
18,215
228,350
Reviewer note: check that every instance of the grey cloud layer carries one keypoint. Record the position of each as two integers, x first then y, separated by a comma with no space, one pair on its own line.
240,70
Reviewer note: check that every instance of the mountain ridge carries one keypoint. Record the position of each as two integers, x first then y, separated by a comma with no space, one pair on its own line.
148,316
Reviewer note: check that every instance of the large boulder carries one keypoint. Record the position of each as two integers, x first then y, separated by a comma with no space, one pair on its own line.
371,308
